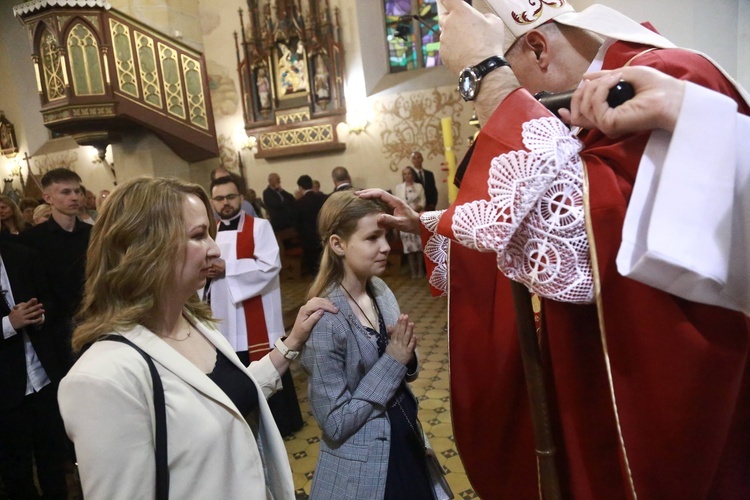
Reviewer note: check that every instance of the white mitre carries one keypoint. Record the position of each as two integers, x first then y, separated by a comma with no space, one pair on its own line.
521,16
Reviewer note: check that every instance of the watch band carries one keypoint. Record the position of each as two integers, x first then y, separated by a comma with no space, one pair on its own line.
492,62
284,350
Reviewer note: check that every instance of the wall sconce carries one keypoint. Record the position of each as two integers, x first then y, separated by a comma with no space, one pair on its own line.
357,122
243,141
8,144
250,143
100,156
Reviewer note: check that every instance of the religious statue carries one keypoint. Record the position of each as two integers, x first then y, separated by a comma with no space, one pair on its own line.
264,88
292,69
320,85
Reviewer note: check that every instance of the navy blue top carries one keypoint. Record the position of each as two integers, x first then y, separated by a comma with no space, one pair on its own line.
235,383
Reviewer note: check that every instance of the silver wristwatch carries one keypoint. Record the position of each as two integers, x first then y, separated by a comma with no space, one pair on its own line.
469,78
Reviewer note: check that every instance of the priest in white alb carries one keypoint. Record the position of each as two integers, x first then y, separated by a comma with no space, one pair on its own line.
244,291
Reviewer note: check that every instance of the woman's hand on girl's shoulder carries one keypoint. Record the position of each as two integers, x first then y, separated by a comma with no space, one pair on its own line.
307,317
402,340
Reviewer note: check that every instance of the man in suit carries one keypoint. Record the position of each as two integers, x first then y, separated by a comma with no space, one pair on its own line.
341,179
279,204
427,180
31,367
308,207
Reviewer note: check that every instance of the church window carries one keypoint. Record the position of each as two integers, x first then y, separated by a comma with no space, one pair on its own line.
412,34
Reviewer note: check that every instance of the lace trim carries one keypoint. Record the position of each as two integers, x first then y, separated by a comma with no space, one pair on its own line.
436,250
534,218
431,220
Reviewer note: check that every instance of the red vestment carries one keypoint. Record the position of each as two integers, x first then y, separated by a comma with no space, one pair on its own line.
654,404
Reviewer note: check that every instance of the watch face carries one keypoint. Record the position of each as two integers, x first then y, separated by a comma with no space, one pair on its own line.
467,85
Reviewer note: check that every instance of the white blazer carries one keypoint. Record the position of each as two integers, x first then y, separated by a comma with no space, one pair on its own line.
106,404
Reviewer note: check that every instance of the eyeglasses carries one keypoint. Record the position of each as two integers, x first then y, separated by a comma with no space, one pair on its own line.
229,197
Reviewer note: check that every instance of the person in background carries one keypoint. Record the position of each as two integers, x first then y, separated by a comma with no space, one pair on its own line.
32,437
11,219
83,212
341,179
151,249
60,244
27,206
307,209
316,186
101,198
359,362
91,204
279,204
42,213
413,194
427,179
256,202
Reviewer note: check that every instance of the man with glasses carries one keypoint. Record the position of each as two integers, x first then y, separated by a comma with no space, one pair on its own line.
244,290
246,205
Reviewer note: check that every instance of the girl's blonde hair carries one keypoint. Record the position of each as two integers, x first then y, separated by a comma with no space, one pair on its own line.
17,215
339,215
135,243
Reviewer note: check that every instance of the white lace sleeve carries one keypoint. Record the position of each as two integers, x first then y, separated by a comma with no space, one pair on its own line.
534,219
436,251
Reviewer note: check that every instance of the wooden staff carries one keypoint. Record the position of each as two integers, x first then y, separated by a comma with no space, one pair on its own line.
530,355
538,399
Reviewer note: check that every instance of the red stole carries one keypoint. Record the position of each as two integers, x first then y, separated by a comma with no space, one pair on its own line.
255,316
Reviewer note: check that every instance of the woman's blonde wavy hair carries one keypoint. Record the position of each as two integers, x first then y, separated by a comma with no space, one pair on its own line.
339,215
17,215
137,238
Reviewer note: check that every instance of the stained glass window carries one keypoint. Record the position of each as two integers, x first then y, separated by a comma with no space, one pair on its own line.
412,34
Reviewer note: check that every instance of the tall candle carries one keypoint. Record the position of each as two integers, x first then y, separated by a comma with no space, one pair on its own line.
450,157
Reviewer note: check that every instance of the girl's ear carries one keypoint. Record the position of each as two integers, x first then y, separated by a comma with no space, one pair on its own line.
337,245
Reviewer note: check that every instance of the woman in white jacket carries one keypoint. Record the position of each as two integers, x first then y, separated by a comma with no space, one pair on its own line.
150,251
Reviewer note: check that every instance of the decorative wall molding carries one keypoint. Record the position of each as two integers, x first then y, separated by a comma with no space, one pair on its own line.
411,122
227,152
66,159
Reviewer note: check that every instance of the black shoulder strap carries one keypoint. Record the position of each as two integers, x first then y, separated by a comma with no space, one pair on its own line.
160,411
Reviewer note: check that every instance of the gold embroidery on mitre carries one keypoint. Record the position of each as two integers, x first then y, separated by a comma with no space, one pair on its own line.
523,17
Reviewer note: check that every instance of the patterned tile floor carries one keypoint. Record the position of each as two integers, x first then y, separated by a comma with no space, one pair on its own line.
431,388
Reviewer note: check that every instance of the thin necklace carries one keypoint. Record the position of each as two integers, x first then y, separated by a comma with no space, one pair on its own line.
359,307
189,331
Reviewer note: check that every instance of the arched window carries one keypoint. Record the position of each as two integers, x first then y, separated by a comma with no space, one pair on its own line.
412,34
54,81
85,66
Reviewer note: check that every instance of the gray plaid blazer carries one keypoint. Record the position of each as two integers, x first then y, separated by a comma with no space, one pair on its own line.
349,387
